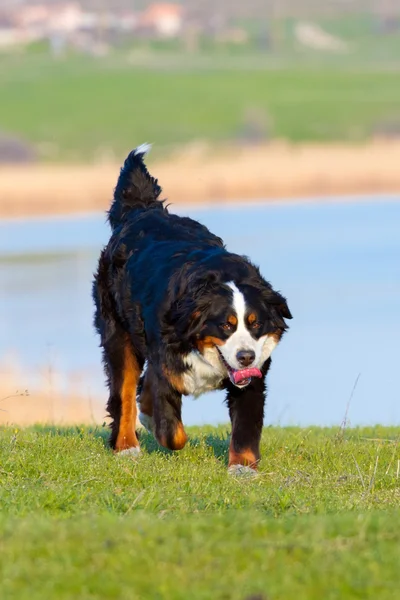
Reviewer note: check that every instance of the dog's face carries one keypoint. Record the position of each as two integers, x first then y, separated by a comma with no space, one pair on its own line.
241,328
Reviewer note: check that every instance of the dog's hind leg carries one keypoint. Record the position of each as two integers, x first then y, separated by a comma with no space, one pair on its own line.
123,369
123,361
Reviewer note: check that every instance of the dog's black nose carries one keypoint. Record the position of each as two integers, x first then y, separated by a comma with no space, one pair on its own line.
245,357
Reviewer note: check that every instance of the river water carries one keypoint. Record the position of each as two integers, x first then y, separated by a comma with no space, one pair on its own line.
338,263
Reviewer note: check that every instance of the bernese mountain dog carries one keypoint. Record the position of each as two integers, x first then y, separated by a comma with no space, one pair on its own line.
179,314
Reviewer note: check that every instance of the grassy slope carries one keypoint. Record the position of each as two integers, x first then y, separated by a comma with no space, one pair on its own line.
321,520
79,106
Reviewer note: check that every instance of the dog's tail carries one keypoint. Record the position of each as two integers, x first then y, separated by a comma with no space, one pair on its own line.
135,189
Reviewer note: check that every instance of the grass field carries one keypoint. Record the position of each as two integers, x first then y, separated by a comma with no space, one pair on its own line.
80,109
320,521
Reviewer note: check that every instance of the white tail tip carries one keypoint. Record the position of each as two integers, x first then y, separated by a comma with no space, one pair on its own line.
143,149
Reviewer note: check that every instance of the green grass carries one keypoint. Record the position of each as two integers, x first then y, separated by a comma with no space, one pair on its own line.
77,109
320,521
231,556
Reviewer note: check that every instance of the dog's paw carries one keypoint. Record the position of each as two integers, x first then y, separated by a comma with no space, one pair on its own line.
242,471
147,422
134,451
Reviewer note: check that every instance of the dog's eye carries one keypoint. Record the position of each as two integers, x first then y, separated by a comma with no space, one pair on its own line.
256,325
226,326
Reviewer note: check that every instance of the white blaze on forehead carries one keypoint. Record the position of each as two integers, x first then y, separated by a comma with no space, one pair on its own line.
240,308
239,304
242,339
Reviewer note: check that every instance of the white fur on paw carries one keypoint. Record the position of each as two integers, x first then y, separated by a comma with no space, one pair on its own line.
242,471
134,451
147,422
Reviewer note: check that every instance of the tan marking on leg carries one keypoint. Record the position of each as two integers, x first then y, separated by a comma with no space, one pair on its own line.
245,457
178,441
127,435
180,437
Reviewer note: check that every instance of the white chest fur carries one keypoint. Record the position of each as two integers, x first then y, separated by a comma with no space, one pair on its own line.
205,374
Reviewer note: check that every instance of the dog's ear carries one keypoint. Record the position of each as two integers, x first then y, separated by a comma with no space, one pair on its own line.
276,300
284,309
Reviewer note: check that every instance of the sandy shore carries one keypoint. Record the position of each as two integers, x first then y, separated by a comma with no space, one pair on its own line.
18,408
196,174
28,397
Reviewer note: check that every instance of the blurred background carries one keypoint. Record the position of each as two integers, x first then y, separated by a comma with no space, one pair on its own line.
274,122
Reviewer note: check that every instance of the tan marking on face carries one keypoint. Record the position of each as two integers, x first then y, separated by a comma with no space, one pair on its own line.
252,318
208,342
126,434
232,319
276,335
245,457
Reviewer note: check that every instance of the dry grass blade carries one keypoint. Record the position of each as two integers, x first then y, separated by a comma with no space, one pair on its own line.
136,500
16,395
386,440
345,419
85,481
391,460
371,483
359,472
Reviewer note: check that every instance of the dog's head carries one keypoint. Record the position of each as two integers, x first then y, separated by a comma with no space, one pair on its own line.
233,325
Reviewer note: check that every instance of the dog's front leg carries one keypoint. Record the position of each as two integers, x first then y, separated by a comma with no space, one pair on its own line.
246,410
167,413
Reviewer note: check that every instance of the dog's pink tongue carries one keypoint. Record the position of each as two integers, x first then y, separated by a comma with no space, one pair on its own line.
238,376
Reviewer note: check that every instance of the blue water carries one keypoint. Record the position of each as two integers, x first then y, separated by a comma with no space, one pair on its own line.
338,264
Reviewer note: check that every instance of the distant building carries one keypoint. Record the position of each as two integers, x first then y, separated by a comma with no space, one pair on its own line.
66,24
165,19
44,18
32,16
66,17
